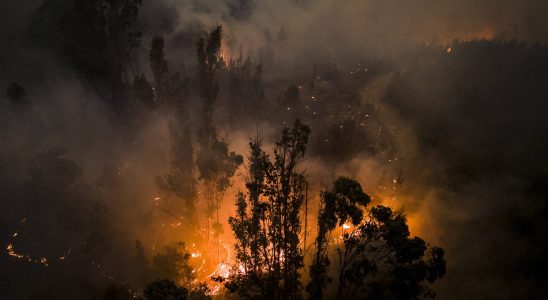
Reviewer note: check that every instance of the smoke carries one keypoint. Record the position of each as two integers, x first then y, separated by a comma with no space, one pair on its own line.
455,140
326,28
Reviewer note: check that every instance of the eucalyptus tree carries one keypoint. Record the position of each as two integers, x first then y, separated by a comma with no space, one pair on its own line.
267,224
377,258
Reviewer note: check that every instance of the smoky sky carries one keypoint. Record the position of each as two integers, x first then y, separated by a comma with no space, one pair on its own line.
321,27
465,129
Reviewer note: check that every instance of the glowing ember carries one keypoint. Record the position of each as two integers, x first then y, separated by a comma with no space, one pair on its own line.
12,252
223,270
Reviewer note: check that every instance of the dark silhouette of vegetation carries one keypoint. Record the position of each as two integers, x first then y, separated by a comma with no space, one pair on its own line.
377,258
95,37
267,224
179,185
143,92
159,66
245,89
216,165
291,96
119,292
165,290
208,65
173,263
169,87
337,206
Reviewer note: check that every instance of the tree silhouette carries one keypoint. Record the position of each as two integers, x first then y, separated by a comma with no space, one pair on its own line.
159,65
143,91
173,263
178,185
165,290
216,165
267,224
337,206
208,65
377,259
95,37
119,292
169,87
245,89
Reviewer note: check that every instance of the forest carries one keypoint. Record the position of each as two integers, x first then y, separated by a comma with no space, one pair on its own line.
300,149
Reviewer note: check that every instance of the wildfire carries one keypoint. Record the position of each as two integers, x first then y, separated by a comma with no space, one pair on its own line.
10,249
224,57
11,252
223,270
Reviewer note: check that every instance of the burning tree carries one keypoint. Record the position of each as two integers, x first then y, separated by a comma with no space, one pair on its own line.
377,258
215,162
173,263
267,224
216,165
336,206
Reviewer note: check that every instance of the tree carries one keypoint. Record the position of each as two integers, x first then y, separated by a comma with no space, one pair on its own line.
377,259
337,206
173,263
180,280
119,292
216,165
169,87
143,91
267,224
291,96
179,184
245,88
159,65
165,290
208,65
95,37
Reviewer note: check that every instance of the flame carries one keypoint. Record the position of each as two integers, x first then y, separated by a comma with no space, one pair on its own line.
12,252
